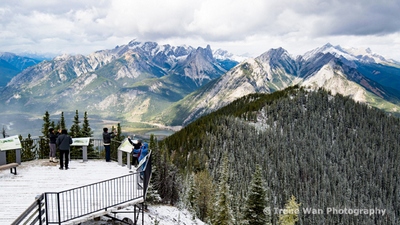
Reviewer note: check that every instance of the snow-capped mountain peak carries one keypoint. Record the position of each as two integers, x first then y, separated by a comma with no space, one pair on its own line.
223,54
364,55
337,51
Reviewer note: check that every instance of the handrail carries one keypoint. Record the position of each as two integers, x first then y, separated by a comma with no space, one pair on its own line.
33,214
64,206
77,202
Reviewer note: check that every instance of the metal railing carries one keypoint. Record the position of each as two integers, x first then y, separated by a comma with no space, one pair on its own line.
40,150
64,206
35,214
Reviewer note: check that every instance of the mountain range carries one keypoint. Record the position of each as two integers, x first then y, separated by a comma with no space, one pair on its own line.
367,78
144,83
12,64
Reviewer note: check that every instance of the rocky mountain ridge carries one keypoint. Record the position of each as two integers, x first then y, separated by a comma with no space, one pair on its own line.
148,83
329,67
12,64
128,83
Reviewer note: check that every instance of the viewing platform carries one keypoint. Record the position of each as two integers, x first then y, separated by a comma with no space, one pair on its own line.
18,192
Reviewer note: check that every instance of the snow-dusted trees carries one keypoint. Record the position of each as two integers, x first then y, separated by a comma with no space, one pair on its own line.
204,194
222,209
199,194
321,148
255,212
166,178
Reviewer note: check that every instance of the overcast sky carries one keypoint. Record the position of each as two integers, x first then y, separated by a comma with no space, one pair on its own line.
248,27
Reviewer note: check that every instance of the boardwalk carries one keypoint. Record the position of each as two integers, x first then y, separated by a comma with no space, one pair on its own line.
17,192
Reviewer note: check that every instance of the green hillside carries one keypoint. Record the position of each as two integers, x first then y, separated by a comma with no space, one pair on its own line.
327,151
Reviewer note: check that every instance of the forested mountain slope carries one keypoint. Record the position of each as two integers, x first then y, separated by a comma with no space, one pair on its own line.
328,151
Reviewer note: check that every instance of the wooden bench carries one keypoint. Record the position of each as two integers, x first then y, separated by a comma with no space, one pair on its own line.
11,166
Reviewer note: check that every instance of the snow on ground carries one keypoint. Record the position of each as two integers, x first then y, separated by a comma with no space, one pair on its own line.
155,214
18,192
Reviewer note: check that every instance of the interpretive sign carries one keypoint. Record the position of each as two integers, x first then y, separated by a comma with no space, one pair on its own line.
80,141
126,146
10,143
84,142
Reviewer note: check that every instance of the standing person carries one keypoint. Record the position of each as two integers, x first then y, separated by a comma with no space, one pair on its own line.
52,143
136,149
64,141
107,141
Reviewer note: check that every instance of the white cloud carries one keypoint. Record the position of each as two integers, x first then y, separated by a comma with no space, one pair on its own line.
240,26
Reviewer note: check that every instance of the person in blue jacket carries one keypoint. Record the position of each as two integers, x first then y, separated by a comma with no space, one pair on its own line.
137,144
143,153
144,150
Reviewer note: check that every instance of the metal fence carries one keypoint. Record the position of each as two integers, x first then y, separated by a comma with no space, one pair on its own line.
38,148
78,202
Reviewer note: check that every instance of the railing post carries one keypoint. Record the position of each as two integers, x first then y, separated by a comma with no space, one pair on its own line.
128,160
120,157
18,156
84,153
39,203
47,208
3,158
59,208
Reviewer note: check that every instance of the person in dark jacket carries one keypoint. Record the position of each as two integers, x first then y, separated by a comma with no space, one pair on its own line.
64,142
107,141
52,144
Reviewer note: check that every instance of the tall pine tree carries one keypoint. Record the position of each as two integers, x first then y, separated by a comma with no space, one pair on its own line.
256,203
86,130
75,130
46,124
62,122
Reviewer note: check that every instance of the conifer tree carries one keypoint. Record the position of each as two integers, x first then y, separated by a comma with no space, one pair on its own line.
116,141
223,211
44,142
4,132
75,130
86,130
166,178
152,195
256,203
46,124
191,192
204,194
118,136
62,122
27,146
291,212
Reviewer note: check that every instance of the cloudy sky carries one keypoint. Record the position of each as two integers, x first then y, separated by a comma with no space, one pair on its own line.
243,27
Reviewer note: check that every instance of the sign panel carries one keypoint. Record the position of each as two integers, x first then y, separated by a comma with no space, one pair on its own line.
126,146
10,143
84,141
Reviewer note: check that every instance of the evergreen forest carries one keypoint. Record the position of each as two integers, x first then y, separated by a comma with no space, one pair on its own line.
327,151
